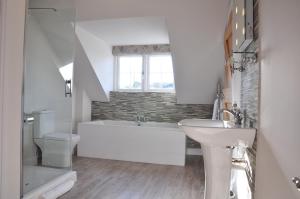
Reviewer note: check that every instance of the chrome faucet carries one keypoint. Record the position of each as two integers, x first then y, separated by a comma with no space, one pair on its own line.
236,112
140,118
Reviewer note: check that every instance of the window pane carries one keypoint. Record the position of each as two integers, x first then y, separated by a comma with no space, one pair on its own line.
130,72
67,71
161,72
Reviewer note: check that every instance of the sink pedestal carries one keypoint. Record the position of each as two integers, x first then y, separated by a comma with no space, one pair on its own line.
217,164
214,136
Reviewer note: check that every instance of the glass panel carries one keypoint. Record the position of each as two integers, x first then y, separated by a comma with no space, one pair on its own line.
130,72
49,55
161,72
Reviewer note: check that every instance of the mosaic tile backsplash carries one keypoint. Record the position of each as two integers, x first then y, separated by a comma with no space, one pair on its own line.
155,106
249,104
250,88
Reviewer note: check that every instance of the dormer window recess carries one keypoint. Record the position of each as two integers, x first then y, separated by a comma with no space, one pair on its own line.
139,69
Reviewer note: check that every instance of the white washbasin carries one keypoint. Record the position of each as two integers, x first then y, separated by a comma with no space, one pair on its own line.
217,138
217,133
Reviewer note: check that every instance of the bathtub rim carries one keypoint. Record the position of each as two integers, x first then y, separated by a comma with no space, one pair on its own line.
174,126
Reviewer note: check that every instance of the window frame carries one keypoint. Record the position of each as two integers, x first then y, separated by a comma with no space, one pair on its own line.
117,74
145,74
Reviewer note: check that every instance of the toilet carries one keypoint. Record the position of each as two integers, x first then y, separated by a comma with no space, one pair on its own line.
56,147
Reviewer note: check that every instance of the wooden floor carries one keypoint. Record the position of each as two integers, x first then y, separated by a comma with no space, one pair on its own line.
108,179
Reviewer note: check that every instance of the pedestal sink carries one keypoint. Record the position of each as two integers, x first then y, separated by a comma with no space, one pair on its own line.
217,138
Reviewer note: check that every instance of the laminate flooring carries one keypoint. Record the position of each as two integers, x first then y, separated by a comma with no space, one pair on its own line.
111,179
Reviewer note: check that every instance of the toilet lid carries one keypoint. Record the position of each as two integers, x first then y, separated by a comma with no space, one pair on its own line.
60,136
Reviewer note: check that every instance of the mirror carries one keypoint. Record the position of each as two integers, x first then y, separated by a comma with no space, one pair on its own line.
242,24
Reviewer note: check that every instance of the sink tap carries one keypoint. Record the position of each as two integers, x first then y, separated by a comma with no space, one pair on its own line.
236,112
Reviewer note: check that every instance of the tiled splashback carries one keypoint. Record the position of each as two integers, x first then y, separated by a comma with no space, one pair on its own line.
249,104
250,88
156,106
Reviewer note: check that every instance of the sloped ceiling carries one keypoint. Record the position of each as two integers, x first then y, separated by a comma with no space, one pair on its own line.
196,36
129,31
62,41
58,26
85,77
99,55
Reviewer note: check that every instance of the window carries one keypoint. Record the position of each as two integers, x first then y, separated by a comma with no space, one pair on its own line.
161,72
145,73
67,74
67,71
130,72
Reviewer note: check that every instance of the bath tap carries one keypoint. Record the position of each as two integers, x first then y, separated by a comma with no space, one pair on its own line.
140,118
236,112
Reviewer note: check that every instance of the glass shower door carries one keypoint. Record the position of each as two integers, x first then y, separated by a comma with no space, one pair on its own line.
48,72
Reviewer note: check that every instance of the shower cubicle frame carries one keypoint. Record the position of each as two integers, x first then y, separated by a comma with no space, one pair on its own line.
70,175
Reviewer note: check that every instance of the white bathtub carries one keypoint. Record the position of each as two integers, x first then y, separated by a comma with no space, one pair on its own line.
152,142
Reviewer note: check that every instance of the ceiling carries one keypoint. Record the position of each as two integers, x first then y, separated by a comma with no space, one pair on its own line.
62,41
129,31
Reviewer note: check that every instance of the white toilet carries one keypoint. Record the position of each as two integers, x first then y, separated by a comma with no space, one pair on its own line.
56,147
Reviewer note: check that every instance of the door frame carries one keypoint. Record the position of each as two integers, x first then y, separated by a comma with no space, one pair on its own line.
12,23
1,88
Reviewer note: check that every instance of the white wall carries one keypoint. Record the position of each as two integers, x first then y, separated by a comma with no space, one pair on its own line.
44,86
196,30
86,86
278,158
100,56
11,66
82,107
85,76
86,108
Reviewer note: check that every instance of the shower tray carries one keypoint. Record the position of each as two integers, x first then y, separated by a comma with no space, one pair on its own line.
51,182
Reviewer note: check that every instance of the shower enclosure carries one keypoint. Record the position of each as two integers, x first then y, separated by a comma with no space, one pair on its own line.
47,102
